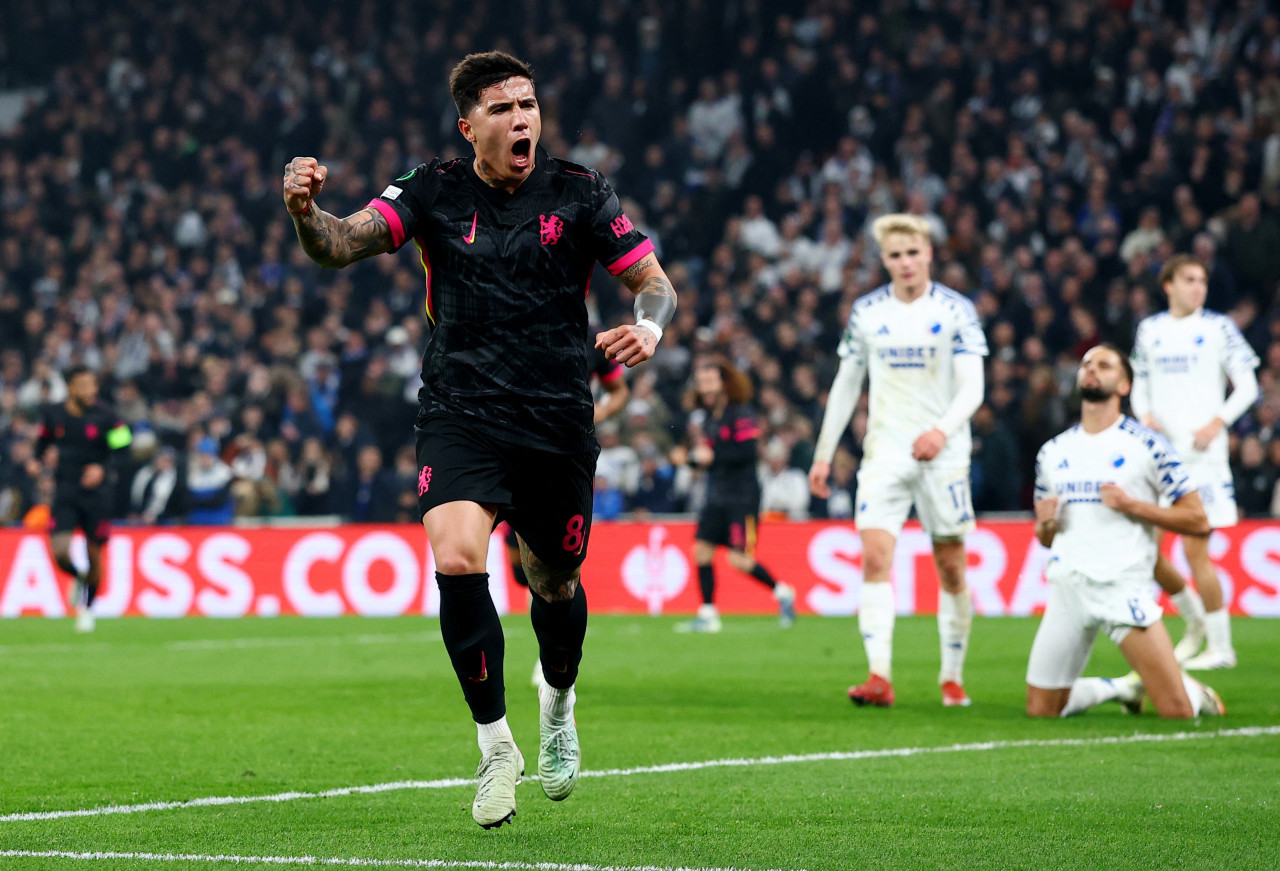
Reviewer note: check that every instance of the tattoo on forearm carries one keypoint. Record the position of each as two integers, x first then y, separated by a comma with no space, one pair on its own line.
635,270
332,241
656,300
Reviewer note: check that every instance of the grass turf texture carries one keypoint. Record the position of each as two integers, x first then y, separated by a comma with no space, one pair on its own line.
153,711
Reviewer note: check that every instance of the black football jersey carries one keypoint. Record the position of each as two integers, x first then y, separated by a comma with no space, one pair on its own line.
734,435
507,277
606,371
81,440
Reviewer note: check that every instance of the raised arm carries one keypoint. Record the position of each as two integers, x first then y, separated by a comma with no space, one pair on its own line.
655,306
331,241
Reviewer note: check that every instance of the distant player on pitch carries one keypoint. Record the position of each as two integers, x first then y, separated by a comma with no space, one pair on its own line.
923,346
1182,360
1104,489
84,433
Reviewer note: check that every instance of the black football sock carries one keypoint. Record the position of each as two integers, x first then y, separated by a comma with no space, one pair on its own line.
473,637
707,581
560,627
761,574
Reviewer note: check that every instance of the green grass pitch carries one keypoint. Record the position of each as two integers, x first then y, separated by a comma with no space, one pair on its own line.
153,712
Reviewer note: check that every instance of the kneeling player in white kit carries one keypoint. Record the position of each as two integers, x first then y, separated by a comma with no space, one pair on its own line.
922,345
1182,360
1104,489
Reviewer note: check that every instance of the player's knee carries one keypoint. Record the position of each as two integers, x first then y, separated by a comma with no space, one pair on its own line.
1043,705
741,561
459,562
875,562
1174,708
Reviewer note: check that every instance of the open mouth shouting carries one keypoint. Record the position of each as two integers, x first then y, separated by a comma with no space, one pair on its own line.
522,154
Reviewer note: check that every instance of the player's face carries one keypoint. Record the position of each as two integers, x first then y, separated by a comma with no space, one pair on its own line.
504,129
907,257
1102,375
83,389
709,383
1188,289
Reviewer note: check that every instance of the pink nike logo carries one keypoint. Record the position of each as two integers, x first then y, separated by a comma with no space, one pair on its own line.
484,672
472,237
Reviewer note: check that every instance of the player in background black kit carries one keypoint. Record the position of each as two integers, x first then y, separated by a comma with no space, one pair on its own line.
84,435
507,239
728,451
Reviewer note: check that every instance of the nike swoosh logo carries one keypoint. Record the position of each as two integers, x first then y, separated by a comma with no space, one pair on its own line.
484,671
472,237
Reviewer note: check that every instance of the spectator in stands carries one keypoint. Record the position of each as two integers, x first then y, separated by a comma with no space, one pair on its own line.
139,229
209,501
155,496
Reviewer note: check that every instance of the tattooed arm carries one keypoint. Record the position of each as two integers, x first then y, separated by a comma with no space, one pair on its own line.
655,306
329,240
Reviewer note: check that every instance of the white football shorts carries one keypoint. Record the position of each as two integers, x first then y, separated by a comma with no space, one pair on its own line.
1217,491
888,489
1078,607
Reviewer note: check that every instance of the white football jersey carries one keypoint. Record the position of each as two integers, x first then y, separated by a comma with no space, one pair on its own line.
909,349
1092,539
1182,365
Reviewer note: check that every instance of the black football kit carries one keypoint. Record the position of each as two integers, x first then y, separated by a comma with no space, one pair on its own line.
82,440
505,410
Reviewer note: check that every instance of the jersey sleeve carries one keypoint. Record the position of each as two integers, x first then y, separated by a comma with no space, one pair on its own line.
406,201
853,343
1237,355
1172,479
1141,357
969,337
606,370
118,435
44,432
1044,484
614,240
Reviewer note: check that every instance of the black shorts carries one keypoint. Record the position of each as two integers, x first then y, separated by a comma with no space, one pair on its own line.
545,497
77,508
732,524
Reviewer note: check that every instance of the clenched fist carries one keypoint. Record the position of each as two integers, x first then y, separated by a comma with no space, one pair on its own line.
303,179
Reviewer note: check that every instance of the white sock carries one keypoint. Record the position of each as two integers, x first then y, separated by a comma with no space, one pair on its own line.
556,704
875,621
955,618
1194,692
1217,629
490,735
1190,606
1089,691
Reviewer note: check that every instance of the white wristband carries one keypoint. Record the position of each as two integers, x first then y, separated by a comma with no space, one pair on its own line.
651,327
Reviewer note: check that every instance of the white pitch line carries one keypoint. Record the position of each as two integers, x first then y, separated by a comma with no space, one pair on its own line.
226,643
356,862
445,783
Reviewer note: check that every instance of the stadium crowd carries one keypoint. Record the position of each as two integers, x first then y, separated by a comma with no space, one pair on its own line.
1060,151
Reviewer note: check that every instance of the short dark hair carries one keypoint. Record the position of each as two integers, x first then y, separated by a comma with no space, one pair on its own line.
478,71
1125,362
75,372
1169,271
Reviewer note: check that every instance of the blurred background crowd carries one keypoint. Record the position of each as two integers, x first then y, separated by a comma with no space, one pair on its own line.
1061,151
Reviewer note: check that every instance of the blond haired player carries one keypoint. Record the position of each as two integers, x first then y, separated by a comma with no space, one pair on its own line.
1182,361
1104,490
921,345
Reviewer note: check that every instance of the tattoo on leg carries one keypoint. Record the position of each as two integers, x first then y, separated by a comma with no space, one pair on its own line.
553,585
